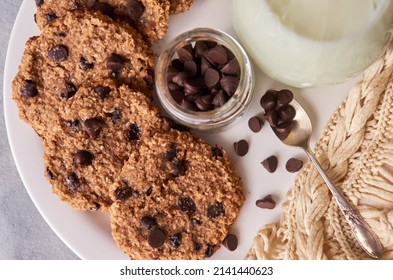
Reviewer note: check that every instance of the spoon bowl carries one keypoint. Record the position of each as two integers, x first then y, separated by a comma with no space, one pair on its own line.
299,136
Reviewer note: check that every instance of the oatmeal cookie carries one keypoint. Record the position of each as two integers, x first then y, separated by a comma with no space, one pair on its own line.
150,17
79,48
88,146
176,198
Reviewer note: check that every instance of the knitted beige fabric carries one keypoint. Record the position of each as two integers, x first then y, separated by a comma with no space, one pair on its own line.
356,150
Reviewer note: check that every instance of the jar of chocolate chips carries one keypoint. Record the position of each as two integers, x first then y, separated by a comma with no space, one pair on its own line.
204,79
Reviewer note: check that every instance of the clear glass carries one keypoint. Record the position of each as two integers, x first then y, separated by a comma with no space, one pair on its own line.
219,118
309,43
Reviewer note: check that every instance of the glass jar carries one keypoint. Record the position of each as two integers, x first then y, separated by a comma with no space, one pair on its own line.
218,118
308,43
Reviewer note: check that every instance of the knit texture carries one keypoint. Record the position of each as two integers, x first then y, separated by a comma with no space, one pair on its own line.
356,150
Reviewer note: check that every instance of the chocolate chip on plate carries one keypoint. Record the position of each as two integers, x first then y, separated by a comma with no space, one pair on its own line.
58,53
241,147
135,9
156,238
269,100
94,126
284,97
294,165
30,89
255,124
270,164
83,158
286,113
230,242
266,203
148,222
115,62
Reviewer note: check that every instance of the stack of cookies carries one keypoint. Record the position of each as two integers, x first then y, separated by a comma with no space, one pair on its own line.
85,85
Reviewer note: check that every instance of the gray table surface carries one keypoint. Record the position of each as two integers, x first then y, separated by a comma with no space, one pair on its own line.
24,234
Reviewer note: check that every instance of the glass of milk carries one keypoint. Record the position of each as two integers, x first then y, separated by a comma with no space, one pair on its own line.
310,43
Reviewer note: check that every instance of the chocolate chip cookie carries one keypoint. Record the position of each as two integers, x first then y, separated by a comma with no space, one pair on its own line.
87,147
150,17
79,48
176,198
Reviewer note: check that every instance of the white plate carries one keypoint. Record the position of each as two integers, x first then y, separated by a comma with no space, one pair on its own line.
88,234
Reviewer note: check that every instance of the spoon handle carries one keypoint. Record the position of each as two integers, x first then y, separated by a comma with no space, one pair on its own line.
366,237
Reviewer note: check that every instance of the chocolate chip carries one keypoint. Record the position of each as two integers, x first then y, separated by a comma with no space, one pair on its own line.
135,9
266,203
209,250
50,17
196,222
229,84
50,174
73,181
156,238
284,97
39,2
134,133
186,205
271,117
204,102
94,126
269,100
217,55
286,113
205,65
123,192
217,152
219,99
149,191
270,164
255,124
179,168
177,65
114,74
115,62
175,240
102,92
193,86
294,165
186,53
283,129
190,68
170,154
241,147
212,77
200,48
215,210
30,89
84,64
58,53
72,124
83,158
116,116
180,78
197,246
61,34
177,95
70,91
232,68
185,104
104,8
230,242
148,222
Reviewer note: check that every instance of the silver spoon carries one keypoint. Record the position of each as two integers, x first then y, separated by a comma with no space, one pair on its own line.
299,136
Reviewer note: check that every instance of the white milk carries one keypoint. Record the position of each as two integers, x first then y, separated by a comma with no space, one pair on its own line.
313,42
